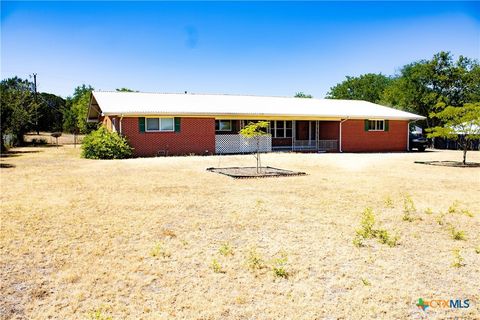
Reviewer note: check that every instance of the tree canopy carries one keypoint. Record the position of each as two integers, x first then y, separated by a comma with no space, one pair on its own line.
368,87
459,123
17,109
303,95
421,87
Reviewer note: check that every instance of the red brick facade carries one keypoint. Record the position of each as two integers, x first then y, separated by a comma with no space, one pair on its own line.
356,139
196,135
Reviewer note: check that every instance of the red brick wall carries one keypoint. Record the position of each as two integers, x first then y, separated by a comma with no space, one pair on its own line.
356,139
196,136
328,130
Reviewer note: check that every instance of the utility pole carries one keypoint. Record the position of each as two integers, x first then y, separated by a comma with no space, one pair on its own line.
36,104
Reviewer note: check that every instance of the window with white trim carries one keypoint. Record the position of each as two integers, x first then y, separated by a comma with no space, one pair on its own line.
223,125
281,129
159,124
376,125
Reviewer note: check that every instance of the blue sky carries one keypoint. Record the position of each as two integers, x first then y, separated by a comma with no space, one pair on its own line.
261,48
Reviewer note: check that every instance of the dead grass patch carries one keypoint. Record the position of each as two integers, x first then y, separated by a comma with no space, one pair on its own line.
76,237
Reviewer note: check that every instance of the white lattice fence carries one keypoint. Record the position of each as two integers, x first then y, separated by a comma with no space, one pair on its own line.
327,144
235,143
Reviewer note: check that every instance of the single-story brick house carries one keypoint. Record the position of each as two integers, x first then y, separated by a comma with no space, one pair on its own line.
176,124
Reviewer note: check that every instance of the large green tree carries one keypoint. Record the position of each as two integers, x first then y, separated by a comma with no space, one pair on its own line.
368,87
51,109
426,86
17,109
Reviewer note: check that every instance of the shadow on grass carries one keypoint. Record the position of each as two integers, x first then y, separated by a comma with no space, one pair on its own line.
454,164
6,165
15,153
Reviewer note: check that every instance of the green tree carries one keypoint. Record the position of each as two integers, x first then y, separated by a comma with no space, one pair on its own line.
303,95
368,87
75,115
255,130
51,109
125,90
426,86
17,109
459,123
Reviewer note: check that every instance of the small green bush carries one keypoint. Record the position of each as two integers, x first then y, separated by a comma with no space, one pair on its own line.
103,144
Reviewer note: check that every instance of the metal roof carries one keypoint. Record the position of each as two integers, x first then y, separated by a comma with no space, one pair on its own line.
139,103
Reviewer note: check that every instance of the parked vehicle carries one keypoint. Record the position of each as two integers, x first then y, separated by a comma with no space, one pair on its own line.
417,141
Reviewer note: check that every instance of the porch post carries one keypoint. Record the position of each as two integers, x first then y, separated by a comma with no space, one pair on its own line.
294,133
317,134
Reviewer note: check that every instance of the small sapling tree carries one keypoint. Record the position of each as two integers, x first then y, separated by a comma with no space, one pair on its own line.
255,130
459,123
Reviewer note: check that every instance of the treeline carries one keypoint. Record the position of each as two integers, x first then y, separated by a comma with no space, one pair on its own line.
423,87
22,111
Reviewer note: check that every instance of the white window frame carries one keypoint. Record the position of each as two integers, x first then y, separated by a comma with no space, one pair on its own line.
273,130
376,121
223,130
160,124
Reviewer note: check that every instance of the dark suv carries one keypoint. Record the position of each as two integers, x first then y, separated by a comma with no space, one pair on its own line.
417,141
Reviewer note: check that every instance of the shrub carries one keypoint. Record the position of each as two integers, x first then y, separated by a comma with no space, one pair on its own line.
103,144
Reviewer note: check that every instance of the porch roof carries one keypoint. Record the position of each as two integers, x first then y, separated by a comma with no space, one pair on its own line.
235,106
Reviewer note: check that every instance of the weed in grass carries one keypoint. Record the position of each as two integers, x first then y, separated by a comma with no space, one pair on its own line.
98,315
467,213
408,208
457,234
216,267
367,231
366,224
385,238
388,202
457,259
358,241
429,211
441,219
477,250
226,249
159,251
366,282
454,207
254,260
279,266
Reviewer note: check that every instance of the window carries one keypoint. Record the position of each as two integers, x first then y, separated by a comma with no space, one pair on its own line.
281,129
223,125
160,124
376,125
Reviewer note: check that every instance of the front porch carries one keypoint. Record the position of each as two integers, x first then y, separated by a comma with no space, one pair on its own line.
284,135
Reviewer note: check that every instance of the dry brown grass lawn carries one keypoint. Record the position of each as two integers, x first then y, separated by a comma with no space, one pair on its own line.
136,239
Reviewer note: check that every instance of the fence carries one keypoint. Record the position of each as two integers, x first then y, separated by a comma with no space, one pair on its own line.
235,143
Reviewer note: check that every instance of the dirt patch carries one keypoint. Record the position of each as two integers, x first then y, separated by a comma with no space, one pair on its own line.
251,172
451,164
